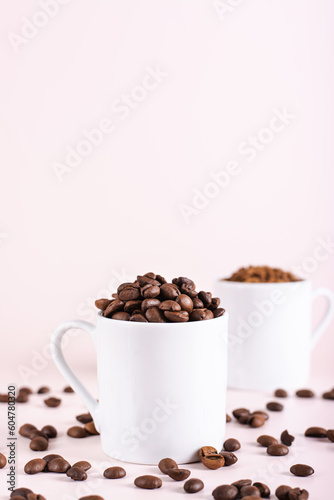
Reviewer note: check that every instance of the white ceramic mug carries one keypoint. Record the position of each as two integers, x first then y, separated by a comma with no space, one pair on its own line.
162,387
270,338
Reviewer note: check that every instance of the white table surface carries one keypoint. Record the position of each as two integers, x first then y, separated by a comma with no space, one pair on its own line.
253,461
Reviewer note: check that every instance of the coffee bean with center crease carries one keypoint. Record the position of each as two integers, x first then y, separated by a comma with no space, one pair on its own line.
52,402
50,457
193,485
84,418
177,316
274,406
147,303
298,494
231,445
36,433
242,482
206,298
185,302
91,429
26,430
316,432
225,492
147,280
20,492
34,466
114,473
201,315
138,318
102,304
197,303
330,435
3,461
166,464
282,492
262,413
277,450
83,464
305,393
255,420
301,470
263,489
287,438
148,482
129,291
170,305
39,444
77,474
43,390
211,458
238,412
121,315
154,315
215,303
280,393
169,291
114,306
229,457
150,291
218,312
266,440
179,474
132,305
182,280
50,431
247,491
77,432
59,465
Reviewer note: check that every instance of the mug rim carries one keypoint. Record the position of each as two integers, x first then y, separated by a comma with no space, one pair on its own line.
162,325
264,283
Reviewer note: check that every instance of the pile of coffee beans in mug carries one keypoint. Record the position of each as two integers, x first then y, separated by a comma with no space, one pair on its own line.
150,299
262,274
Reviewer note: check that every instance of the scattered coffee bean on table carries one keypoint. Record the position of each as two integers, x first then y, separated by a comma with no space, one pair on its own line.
228,418
21,492
263,489
50,431
305,393
26,430
280,393
231,444
3,461
91,429
36,433
166,464
330,435
316,432
229,457
287,438
114,473
39,444
83,464
282,492
148,482
298,494
26,390
274,406
84,418
22,397
211,458
77,474
193,485
261,413
225,492
301,470
266,440
59,465
34,466
247,491
77,432
329,394
242,482
52,402
277,450
43,390
179,474
50,457
68,389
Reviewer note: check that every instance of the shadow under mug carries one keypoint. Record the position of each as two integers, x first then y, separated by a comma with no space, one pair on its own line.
162,387
270,339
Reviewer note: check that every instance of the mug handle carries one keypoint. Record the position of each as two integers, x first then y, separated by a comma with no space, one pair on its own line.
65,370
323,292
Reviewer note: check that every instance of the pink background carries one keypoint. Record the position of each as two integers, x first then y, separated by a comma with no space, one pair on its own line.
117,214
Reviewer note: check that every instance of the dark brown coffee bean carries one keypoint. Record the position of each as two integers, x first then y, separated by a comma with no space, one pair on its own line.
282,492
26,430
266,440
132,305
305,393
185,302
68,389
229,457
166,464
188,290
245,419
274,406
263,489
262,413
277,450
184,281
52,402
170,305
36,433
197,303
20,492
22,397
150,291
50,457
239,412
228,418
114,306
59,465
147,280
102,304
287,438
280,393
138,318
316,432
129,292
218,312
231,445
84,418
329,394
169,291
301,470
39,444
91,429
91,497
330,435
77,474
201,315
215,303
147,303
161,279
50,431
150,275
179,474
121,316
205,297
114,473
77,432
242,482
177,316
3,461
154,315
255,420
34,466
26,390
211,458
193,485
43,390
225,492
251,497
247,491
35,496
83,464
148,482
298,494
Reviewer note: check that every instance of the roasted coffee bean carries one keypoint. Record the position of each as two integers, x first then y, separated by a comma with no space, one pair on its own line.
138,318
77,432
121,316
262,274
26,430
43,390
316,432
255,420
225,492
282,492
102,304
132,305
147,280
50,457
36,433
170,305
84,418
147,303
251,497
330,435
305,393
154,315
239,412
166,464
148,482
83,464
215,303
39,444
188,290
150,275
201,315
231,445
26,390
298,494
129,292
228,418
280,393
35,496
185,302
114,473
229,457
301,470
68,389
34,466
161,279
287,438
76,473
263,489
22,397
169,291
193,485
3,461
329,394
277,450
18,497
50,431
266,440
91,497
59,465
178,474
218,312
114,306
184,281
177,316
20,492
206,298
262,413
274,406
52,402
211,458
197,303
150,291
242,482
91,429
3,398
247,491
